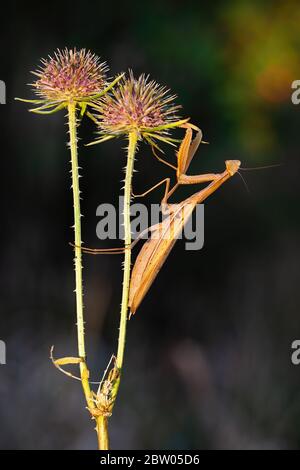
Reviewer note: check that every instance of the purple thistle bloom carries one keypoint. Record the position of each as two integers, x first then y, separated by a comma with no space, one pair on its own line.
71,75
136,104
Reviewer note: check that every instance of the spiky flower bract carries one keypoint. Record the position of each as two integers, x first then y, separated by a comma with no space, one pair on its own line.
70,75
139,105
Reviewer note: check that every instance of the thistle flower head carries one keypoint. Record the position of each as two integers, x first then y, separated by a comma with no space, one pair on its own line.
70,75
139,105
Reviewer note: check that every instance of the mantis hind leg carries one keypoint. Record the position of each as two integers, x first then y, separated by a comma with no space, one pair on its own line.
165,181
114,251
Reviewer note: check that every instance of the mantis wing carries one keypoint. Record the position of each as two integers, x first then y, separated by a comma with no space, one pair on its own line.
155,252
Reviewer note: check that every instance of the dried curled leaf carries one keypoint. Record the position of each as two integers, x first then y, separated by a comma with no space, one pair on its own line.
67,360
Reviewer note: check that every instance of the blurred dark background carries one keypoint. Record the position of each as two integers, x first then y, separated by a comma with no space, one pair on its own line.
208,354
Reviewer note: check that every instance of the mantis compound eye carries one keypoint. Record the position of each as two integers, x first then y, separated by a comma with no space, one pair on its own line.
232,166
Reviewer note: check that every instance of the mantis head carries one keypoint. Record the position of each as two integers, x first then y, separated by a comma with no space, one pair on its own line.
232,166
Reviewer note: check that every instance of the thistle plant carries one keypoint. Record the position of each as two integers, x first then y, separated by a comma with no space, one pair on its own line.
137,109
72,79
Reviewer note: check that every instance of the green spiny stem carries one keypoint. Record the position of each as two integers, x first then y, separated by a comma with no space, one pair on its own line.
77,260
77,229
132,144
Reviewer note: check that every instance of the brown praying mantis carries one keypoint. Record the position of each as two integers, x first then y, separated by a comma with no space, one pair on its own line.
156,249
